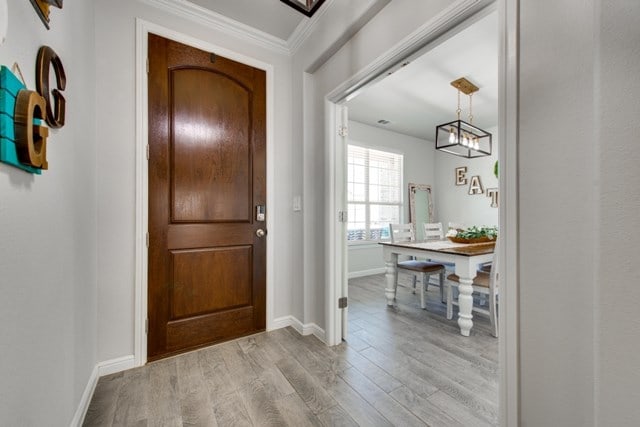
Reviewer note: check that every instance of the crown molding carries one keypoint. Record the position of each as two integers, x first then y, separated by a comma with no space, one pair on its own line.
208,18
306,27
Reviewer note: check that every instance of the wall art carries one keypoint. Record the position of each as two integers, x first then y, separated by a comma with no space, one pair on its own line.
43,8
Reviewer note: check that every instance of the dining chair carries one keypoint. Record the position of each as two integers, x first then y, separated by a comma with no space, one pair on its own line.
457,226
485,284
433,231
406,233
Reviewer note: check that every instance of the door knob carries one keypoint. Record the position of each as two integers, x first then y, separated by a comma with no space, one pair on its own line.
260,232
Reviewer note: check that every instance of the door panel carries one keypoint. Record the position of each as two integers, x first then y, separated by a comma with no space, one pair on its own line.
206,280
207,172
210,147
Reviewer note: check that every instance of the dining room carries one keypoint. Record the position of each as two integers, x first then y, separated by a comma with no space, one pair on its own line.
427,336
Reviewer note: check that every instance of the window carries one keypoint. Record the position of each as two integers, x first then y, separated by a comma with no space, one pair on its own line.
374,193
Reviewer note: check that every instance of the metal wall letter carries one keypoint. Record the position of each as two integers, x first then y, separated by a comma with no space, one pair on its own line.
461,178
493,194
46,58
475,186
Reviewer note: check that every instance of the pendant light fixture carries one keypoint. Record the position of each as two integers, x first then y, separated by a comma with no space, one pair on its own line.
307,7
463,138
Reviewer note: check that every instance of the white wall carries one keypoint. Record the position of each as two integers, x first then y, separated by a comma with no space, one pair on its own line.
48,234
578,174
418,168
115,50
452,202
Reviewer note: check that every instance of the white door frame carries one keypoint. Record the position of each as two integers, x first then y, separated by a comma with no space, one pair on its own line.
463,11
143,28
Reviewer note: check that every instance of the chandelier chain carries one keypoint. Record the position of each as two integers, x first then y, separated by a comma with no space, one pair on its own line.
471,108
459,110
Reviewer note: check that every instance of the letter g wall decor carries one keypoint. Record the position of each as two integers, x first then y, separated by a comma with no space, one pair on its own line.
23,136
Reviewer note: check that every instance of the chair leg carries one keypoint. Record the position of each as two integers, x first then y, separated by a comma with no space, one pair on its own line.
493,314
442,285
425,280
415,279
450,301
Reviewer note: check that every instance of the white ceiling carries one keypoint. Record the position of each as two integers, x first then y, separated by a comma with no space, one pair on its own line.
419,96
271,16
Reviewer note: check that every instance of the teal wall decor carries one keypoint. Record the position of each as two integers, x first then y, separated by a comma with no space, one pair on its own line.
9,88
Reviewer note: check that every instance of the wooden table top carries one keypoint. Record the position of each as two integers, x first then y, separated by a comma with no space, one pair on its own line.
447,247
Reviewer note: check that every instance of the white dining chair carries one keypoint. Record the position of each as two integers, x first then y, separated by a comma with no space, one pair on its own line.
433,231
486,285
406,233
457,226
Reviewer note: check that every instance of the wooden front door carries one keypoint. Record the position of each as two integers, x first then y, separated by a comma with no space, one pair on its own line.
207,176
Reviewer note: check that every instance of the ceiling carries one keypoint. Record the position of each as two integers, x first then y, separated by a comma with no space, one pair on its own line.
419,96
271,16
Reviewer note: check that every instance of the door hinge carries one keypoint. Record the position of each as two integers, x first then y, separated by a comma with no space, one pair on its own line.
147,237
342,216
343,131
147,151
342,302
146,325
147,65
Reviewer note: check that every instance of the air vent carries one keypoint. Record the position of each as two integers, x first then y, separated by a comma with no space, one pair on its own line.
384,122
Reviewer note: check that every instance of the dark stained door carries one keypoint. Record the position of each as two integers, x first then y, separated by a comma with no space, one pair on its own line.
207,175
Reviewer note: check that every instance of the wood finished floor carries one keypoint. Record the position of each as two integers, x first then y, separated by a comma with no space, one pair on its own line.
401,366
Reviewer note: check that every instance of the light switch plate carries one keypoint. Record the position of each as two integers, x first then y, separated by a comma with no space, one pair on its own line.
297,204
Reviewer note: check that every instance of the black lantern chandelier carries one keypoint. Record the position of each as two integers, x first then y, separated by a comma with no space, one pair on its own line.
459,137
307,7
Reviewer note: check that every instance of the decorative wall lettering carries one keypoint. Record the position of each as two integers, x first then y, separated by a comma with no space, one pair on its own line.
31,136
42,7
475,186
461,173
493,194
47,57
23,113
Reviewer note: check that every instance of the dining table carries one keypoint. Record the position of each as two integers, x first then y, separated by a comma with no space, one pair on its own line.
466,257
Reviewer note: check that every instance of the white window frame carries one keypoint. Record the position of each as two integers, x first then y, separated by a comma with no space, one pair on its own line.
367,202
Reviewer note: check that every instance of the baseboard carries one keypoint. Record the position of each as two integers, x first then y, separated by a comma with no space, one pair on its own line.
115,365
364,273
302,329
101,369
78,417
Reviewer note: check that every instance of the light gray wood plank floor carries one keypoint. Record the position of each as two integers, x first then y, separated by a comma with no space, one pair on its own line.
400,366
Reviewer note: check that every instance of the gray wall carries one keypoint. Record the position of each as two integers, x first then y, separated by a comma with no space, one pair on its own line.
48,234
580,335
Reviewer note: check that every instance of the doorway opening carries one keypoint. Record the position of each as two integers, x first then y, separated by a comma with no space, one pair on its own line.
340,104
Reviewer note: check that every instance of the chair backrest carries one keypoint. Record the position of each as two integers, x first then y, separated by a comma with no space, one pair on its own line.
402,233
457,226
433,231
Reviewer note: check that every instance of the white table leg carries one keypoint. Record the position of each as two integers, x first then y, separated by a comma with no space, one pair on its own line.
391,261
465,305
